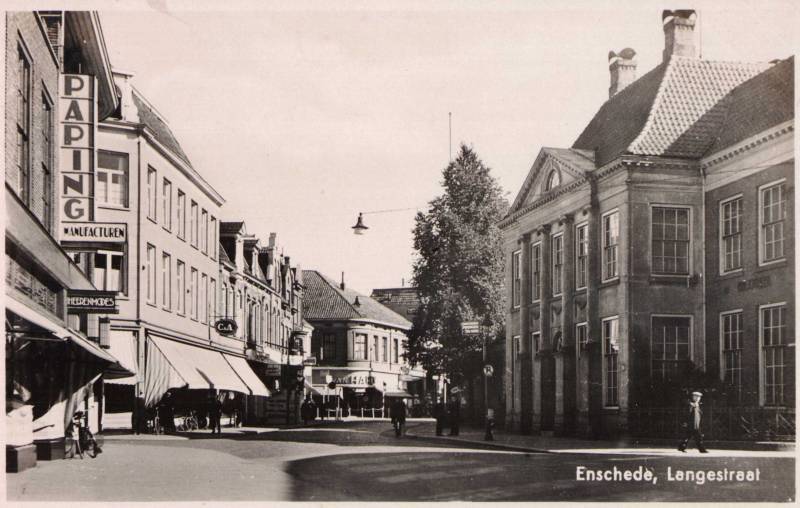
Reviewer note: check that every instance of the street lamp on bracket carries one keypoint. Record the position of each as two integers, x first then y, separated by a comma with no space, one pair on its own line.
360,228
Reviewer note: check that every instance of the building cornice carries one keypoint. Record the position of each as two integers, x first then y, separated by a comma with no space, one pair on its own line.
748,144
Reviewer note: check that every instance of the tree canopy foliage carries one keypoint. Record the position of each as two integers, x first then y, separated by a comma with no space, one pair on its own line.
459,268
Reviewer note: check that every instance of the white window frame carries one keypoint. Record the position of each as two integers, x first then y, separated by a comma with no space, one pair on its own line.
204,231
194,219
152,194
180,286
603,271
721,235
605,372
166,281
578,326
689,264
516,281
722,363
691,336
761,189
181,215
166,204
203,298
150,275
364,352
583,226
536,342
215,242
556,275
124,174
762,388
193,293
109,254
536,283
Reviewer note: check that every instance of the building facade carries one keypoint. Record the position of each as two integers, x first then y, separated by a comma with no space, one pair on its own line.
359,347
611,289
263,293
53,353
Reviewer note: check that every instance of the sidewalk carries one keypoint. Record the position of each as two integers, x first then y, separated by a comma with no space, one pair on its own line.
552,444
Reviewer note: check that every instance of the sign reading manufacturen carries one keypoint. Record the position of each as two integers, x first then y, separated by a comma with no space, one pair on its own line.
94,232
81,301
77,128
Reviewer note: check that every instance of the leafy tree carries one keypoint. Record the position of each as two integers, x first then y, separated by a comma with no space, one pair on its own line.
459,269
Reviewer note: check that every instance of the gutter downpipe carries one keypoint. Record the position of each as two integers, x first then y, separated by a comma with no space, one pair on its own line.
703,265
142,339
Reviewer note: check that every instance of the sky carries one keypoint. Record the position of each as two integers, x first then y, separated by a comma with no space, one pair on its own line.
303,114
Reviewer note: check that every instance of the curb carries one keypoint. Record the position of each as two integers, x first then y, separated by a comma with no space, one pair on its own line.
490,445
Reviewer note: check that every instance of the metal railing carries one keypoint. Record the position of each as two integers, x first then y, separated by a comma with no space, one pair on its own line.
722,423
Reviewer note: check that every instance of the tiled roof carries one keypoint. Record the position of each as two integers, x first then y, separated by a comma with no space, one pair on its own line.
397,296
756,105
324,299
161,130
223,256
227,228
666,111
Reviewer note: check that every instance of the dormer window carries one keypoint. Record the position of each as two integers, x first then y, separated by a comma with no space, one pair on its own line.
553,180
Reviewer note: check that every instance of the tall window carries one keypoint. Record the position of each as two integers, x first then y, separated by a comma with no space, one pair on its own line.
212,307
203,298
730,216
774,354
772,217
670,236
166,281
374,350
582,334
360,347
610,244
152,194
731,341
23,124
214,241
193,294
384,349
581,255
328,347
536,272
558,263
180,283
166,204
150,274
395,351
107,274
204,232
112,179
610,353
516,269
670,346
193,225
536,341
181,215
47,161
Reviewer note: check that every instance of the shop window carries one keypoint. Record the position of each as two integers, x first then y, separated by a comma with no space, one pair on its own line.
670,346
112,179
670,241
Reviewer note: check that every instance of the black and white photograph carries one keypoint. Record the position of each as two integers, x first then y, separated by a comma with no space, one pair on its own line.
399,251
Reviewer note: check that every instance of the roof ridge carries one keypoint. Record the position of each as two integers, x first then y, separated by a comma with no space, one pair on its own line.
333,285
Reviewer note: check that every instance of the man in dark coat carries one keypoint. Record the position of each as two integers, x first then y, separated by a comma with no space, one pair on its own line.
454,416
440,414
693,419
215,415
398,416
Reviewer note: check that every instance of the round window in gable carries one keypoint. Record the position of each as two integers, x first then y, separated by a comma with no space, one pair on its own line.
553,180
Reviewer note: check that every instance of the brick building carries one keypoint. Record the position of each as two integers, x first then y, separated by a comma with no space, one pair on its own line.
612,289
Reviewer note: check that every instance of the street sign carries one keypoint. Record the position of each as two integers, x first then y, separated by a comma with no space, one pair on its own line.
226,326
488,370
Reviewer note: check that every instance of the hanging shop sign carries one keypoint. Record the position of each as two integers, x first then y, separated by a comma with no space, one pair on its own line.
94,232
77,131
310,361
273,370
226,327
81,301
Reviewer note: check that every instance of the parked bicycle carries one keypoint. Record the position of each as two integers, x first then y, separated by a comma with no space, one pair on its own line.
188,422
154,425
84,442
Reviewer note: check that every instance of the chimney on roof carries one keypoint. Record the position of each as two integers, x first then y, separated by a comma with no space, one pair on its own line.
357,303
622,66
272,237
341,285
679,33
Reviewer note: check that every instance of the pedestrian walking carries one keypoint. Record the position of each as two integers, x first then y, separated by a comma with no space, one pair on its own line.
398,417
308,410
215,416
693,430
440,413
454,416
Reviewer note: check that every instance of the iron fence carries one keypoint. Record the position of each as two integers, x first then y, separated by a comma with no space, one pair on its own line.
719,423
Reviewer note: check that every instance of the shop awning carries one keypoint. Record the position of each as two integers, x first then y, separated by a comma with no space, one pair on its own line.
200,368
243,370
62,333
123,348
402,394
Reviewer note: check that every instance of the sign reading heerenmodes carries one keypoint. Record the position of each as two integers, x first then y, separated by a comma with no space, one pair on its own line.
91,302
77,127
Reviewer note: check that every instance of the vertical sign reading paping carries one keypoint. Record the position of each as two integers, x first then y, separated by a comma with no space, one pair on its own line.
77,125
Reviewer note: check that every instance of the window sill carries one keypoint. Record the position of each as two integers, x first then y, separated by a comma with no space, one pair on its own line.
154,221
120,208
669,280
167,229
778,263
609,283
515,309
151,304
732,274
